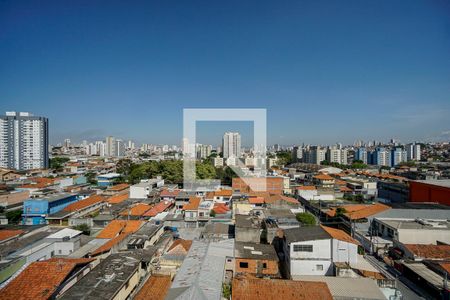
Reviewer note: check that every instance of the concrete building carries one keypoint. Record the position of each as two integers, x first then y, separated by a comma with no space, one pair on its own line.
430,191
23,141
398,155
110,146
361,154
142,190
231,145
36,210
339,156
260,260
413,151
315,155
313,250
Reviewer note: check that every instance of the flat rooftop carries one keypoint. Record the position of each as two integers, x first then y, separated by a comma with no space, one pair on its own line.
418,225
255,251
436,182
53,198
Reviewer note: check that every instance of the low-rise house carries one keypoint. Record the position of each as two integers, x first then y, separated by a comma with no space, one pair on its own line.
136,212
11,200
46,279
37,209
247,229
116,277
324,180
143,189
191,211
75,210
218,231
248,288
313,250
202,272
155,288
260,260
169,194
105,180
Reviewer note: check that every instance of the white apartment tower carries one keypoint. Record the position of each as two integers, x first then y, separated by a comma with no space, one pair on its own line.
110,146
23,141
231,145
413,151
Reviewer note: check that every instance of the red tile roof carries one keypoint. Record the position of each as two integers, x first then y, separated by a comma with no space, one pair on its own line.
118,198
220,208
85,203
137,210
6,234
155,288
41,279
119,187
256,200
339,235
119,226
306,188
169,193
109,244
193,204
323,177
429,251
158,208
360,211
185,244
249,288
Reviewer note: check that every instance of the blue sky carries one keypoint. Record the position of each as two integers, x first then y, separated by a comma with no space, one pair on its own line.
326,71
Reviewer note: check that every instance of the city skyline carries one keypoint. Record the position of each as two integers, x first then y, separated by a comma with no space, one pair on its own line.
346,77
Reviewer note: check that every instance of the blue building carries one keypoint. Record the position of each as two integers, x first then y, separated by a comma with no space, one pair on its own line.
36,209
107,179
361,154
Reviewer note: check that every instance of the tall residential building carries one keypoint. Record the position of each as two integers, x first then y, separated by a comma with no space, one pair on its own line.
23,141
110,146
398,155
382,157
231,145
203,151
337,155
297,153
413,151
315,155
119,149
361,154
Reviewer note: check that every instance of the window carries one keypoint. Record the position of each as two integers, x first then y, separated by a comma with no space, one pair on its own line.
243,265
303,248
319,267
264,265
59,251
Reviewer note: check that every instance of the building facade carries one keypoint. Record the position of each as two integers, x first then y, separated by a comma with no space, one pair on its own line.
23,141
231,144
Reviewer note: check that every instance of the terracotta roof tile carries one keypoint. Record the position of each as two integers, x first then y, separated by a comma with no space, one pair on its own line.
360,211
40,279
185,244
119,226
119,187
84,203
109,244
256,200
118,198
429,251
193,204
158,208
220,208
306,188
169,193
6,234
155,288
339,235
137,210
247,288
323,177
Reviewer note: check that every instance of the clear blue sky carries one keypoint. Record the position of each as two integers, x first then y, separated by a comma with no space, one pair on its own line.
326,71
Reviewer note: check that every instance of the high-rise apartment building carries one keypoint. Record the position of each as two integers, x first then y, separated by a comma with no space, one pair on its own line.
231,145
398,155
361,154
110,146
413,151
337,155
23,141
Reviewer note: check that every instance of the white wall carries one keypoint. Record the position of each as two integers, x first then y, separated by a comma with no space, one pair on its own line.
138,192
310,267
426,236
344,252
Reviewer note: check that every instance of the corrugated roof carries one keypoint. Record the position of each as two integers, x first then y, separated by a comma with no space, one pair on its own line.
92,200
118,198
6,234
193,204
115,227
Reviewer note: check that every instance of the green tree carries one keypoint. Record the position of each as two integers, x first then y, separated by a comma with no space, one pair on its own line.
14,216
306,218
284,158
340,211
212,213
123,166
84,228
57,163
